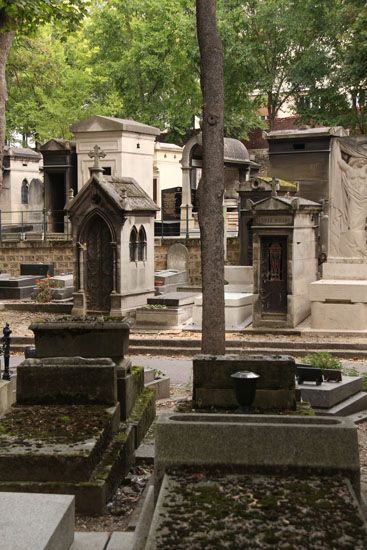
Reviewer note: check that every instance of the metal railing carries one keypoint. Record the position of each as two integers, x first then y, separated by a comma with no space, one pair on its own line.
21,225
189,227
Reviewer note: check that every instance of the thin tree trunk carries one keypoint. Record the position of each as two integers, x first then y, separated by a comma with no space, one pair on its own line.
6,40
211,186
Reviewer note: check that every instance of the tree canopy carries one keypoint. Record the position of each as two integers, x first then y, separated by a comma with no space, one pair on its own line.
141,60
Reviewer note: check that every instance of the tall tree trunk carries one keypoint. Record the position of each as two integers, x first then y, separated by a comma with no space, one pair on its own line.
211,186
6,40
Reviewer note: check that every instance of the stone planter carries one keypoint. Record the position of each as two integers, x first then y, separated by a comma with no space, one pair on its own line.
258,444
85,337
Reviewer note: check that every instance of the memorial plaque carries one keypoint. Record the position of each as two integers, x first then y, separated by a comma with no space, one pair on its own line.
171,202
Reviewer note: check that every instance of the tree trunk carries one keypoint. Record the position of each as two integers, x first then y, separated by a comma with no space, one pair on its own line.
211,187
6,40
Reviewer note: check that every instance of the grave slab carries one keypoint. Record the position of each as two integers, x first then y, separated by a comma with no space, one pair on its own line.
352,405
174,299
17,287
36,521
329,394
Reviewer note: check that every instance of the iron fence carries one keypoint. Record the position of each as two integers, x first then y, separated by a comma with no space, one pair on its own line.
17,225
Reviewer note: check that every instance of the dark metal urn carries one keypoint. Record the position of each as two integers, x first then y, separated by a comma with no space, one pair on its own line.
245,389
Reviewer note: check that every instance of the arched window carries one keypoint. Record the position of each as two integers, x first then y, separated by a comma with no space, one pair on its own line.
25,192
142,245
133,245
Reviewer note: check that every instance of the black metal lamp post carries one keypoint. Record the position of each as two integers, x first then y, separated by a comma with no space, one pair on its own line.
6,351
245,389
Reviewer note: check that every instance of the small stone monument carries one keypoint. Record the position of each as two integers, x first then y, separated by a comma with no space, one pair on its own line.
113,239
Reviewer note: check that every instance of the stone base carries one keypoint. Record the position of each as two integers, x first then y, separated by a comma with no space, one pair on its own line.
213,386
238,308
339,304
329,394
7,394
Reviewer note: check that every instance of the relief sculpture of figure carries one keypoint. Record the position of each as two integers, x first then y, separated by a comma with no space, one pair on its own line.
349,202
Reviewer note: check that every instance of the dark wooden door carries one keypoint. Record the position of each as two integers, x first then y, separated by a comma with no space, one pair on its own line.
273,275
99,267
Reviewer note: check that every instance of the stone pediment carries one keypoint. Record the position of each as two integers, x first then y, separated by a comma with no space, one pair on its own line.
100,123
273,204
57,145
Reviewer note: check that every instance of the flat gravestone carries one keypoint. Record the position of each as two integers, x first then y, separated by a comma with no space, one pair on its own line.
36,521
178,257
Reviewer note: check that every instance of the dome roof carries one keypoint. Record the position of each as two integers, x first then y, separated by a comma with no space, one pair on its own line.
235,151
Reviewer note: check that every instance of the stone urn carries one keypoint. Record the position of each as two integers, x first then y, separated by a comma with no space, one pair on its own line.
245,389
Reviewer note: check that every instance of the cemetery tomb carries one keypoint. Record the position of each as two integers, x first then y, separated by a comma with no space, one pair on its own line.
168,310
19,287
91,414
285,259
113,243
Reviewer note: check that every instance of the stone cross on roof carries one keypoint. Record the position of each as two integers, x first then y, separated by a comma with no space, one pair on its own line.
274,186
96,154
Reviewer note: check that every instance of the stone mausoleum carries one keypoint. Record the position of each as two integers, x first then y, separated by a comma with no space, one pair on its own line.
113,242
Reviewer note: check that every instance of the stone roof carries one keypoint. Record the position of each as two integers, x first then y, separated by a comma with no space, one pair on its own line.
332,131
126,193
22,152
235,151
100,123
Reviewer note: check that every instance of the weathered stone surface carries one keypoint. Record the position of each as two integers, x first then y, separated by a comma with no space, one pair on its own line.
86,338
276,372
142,414
41,458
258,443
121,540
36,522
130,383
266,400
212,384
67,380
175,299
90,496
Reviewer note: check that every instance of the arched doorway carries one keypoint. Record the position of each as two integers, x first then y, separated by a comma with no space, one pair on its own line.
99,265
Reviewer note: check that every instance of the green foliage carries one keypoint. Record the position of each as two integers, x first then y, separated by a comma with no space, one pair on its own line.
51,84
323,360
26,15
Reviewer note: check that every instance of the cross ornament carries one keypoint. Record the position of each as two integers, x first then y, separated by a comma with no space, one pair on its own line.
274,186
96,154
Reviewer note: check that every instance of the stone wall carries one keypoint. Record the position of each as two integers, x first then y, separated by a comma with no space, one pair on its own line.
193,247
12,254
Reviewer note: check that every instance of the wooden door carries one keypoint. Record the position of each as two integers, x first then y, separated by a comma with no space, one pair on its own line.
273,275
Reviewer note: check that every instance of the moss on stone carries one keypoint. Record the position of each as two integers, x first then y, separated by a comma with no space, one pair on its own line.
146,395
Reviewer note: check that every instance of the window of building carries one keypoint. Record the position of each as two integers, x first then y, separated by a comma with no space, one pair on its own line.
142,245
133,245
25,192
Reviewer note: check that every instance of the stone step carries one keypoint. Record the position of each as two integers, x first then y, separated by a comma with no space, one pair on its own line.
90,541
189,342
284,350
352,405
329,394
36,521
121,540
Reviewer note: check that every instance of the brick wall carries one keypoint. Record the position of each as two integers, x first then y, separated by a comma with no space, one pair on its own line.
12,254
193,246
28,252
